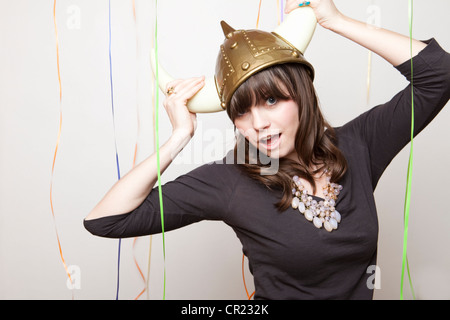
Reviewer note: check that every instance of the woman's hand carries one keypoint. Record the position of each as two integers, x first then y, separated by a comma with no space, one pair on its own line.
326,12
178,93
391,46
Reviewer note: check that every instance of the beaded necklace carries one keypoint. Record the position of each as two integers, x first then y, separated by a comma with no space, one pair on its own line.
321,213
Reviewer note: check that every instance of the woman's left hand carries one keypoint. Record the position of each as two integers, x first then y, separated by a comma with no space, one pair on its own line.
326,12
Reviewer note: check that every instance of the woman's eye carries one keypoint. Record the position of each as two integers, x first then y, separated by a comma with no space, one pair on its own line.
271,101
241,114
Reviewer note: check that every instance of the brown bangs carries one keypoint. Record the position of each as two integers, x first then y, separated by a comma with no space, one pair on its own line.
268,83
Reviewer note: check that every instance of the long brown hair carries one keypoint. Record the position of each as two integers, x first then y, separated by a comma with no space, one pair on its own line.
315,141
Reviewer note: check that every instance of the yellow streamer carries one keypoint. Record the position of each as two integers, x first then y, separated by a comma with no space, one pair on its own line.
57,146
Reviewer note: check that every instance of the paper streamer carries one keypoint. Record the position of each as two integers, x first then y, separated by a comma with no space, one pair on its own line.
139,270
56,148
115,140
259,13
410,163
135,156
153,89
137,88
158,165
280,11
249,296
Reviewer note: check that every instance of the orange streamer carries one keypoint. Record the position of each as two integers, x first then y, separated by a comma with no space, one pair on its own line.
57,146
259,13
249,296
139,269
135,153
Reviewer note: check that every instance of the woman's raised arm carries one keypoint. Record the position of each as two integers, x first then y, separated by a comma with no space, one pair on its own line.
393,47
132,189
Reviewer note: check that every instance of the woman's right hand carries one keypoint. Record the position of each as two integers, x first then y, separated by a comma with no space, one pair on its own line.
325,10
183,121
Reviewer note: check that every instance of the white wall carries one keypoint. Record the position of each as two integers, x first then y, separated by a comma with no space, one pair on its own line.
203,261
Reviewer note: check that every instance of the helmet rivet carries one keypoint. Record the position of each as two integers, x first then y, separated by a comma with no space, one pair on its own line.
245,66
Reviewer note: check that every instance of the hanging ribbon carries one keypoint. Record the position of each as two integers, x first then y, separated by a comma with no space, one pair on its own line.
280,13
136,149
249,296
139,269
259,13
137,88
158,164
410,163
56,148
153,89
148,267
115,140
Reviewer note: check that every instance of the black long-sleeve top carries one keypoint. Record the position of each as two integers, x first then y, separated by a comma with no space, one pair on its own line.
289,257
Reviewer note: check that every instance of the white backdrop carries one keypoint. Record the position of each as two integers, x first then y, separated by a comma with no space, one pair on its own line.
203,261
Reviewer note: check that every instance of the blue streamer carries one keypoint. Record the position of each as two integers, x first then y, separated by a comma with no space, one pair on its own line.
115,140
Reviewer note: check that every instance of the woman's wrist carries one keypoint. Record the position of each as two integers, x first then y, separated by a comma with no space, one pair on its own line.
336,24
178,140
391,46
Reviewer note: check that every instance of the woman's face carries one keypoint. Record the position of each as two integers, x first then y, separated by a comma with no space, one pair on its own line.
271,127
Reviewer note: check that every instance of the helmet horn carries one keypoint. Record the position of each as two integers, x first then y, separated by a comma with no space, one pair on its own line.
297,29
205,101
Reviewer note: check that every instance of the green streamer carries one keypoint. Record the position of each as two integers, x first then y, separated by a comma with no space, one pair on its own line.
410,164
158,165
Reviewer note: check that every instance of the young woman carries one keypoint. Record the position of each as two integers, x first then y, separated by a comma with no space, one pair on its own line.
310,228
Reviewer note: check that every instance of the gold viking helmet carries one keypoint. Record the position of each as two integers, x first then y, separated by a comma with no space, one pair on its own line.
246,52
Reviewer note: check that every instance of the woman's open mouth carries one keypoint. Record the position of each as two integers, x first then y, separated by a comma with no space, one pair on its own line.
270,142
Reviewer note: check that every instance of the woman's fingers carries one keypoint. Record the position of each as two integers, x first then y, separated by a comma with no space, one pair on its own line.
294,4
325,10
171,85
180,91
290,5
189,89
183,90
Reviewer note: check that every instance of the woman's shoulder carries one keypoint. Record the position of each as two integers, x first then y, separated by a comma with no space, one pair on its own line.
222,170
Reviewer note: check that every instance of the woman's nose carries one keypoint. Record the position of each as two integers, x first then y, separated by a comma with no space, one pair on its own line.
260,120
